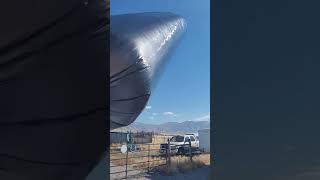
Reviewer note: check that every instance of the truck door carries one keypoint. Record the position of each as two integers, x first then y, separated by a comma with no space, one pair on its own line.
193,142
186,142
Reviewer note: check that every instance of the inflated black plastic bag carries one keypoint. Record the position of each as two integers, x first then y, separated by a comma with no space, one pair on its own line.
53,98
140,48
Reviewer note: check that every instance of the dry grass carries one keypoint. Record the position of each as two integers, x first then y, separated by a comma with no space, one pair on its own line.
115,145
179,164
119,159
182,164
158,139
137,162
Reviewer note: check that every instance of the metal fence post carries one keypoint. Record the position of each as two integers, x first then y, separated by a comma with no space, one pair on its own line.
169,152
127,162
190,153
148,157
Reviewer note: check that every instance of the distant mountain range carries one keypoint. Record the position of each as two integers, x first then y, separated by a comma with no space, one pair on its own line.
167,128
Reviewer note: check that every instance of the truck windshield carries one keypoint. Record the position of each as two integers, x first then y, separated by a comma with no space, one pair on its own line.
177,139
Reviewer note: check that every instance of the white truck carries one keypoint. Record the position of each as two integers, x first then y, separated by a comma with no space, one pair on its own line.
180,144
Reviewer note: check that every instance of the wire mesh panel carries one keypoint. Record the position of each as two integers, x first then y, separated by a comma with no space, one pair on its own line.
125,164
140,152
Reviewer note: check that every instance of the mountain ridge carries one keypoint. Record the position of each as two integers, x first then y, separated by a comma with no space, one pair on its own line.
167,127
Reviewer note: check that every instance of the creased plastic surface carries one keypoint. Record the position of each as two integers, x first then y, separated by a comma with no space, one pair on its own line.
140,45
53,100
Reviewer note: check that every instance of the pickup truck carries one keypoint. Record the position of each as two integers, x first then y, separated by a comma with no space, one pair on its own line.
180,144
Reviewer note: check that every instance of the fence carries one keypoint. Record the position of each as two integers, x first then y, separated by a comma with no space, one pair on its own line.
143,158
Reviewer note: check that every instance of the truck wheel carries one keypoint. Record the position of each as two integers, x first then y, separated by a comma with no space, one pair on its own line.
181,151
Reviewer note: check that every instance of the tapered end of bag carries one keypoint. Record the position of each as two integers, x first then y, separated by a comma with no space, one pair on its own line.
140,47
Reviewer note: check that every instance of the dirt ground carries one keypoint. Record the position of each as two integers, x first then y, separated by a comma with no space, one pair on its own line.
180,168
198,174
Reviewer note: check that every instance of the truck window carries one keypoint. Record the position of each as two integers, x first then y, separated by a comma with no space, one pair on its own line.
177,139
186,139
192,138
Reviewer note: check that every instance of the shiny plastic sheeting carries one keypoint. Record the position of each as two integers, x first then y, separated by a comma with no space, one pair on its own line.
53,101
139,48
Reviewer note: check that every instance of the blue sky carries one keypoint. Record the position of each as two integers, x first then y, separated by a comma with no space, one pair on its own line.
183,92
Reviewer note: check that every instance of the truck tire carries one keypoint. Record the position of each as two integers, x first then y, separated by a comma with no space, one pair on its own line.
181,151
